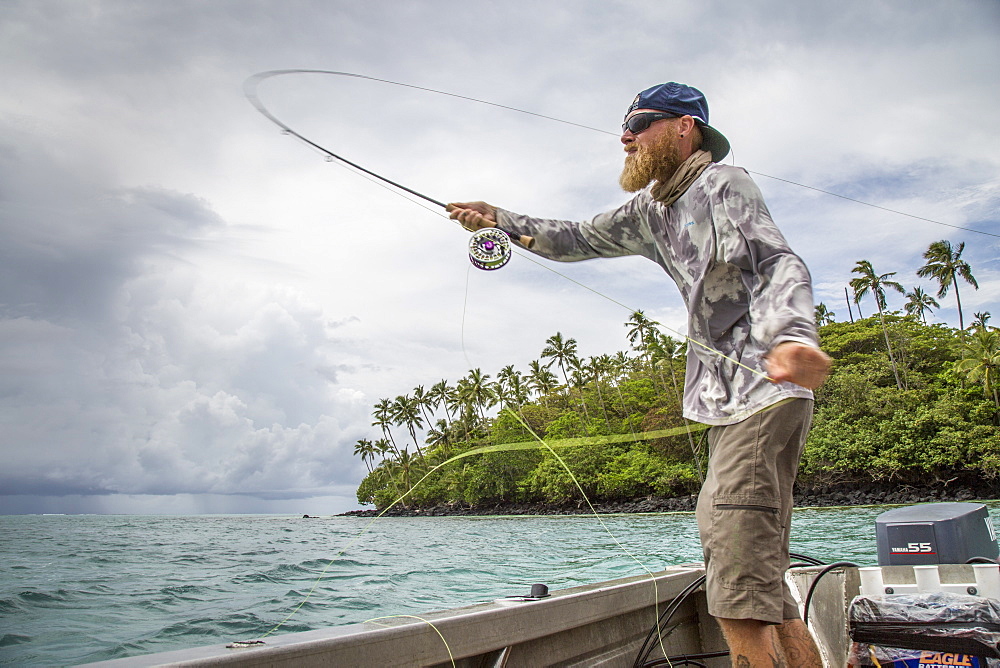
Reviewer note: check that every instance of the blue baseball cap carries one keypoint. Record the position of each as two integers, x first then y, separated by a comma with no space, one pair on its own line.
682,100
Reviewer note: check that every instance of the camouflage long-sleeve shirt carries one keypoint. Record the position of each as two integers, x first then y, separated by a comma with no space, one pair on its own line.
745,290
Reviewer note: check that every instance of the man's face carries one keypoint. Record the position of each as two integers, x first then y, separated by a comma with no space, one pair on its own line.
652,155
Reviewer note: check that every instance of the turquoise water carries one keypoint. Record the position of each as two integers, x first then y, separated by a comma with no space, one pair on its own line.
76,588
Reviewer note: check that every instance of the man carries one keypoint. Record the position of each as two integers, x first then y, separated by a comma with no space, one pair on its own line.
752,361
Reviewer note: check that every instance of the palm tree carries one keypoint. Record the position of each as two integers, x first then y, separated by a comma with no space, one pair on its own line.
646,339
541,380
404,467
424,401
981,362
476,392
857,301
665,350
824,316
620,364
383,447
517,391
623,363
869,281
383,419
562,351
405,410
440,436
366,449
920,302
386,471
945,265
981,319
506,379
640,336
579,379
641,327
440,395
597,366
457,406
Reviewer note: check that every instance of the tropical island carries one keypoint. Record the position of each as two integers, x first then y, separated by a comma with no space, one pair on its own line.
909,413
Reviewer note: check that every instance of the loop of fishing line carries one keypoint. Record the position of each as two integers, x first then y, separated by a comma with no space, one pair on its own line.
451,656
250,91
492,260
501,447
579,487
487,251
532,259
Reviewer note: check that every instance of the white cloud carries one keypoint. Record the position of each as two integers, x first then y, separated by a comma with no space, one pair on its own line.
192,303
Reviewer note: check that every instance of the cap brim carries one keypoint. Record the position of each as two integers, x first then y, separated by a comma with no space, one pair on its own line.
714,142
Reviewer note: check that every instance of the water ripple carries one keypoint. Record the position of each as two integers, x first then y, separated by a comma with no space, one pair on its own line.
76,589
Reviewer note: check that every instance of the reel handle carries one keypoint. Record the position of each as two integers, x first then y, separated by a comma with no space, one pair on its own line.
523,239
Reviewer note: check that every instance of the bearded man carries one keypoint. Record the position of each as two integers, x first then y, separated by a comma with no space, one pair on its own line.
753,360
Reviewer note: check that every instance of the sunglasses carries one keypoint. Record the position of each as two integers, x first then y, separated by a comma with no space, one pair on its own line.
640,122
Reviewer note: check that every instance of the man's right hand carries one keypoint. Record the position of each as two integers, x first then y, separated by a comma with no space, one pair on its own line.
473,215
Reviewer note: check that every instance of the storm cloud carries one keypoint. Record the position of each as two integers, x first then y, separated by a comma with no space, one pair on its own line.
197,313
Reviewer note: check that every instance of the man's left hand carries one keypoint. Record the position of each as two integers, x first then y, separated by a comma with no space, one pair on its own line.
798,363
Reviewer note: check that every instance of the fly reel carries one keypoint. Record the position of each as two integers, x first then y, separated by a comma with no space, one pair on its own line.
489,248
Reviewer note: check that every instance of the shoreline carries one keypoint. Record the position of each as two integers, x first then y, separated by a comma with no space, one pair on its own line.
806,496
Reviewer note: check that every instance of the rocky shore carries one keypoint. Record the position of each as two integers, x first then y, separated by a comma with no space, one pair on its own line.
844,494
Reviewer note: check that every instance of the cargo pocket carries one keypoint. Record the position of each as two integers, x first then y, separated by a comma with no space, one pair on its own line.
747,552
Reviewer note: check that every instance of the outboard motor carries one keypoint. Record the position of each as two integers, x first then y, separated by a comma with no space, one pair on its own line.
935,533
923,619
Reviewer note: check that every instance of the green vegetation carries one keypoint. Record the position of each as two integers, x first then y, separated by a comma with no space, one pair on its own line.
905,402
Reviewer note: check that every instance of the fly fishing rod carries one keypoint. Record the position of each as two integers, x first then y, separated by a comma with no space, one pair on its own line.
489,247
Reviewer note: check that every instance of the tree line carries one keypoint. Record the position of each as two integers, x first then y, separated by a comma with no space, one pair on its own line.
906,401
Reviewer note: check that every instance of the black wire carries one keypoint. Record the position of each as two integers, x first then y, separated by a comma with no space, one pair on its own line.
665,616
642,657
812,561
642,660
812,587
686,659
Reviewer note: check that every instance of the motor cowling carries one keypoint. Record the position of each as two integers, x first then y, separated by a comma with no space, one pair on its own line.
935,533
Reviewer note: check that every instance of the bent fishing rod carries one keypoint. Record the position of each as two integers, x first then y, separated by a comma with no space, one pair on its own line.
489,247
250,88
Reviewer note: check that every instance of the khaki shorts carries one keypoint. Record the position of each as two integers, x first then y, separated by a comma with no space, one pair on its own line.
745,509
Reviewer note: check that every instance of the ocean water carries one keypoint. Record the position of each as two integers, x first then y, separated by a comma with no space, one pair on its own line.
82,588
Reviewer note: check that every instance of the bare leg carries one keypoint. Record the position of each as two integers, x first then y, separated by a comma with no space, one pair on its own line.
800,648
752,644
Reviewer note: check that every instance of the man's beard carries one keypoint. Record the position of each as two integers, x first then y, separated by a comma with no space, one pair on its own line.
656,163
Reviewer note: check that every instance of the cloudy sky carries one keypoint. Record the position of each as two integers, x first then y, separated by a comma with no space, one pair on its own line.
197,313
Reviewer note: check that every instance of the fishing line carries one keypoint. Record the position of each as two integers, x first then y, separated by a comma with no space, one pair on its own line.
382,183
252,82
250,87
250,91
579,487
465,308
501,447
451,657
875,206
